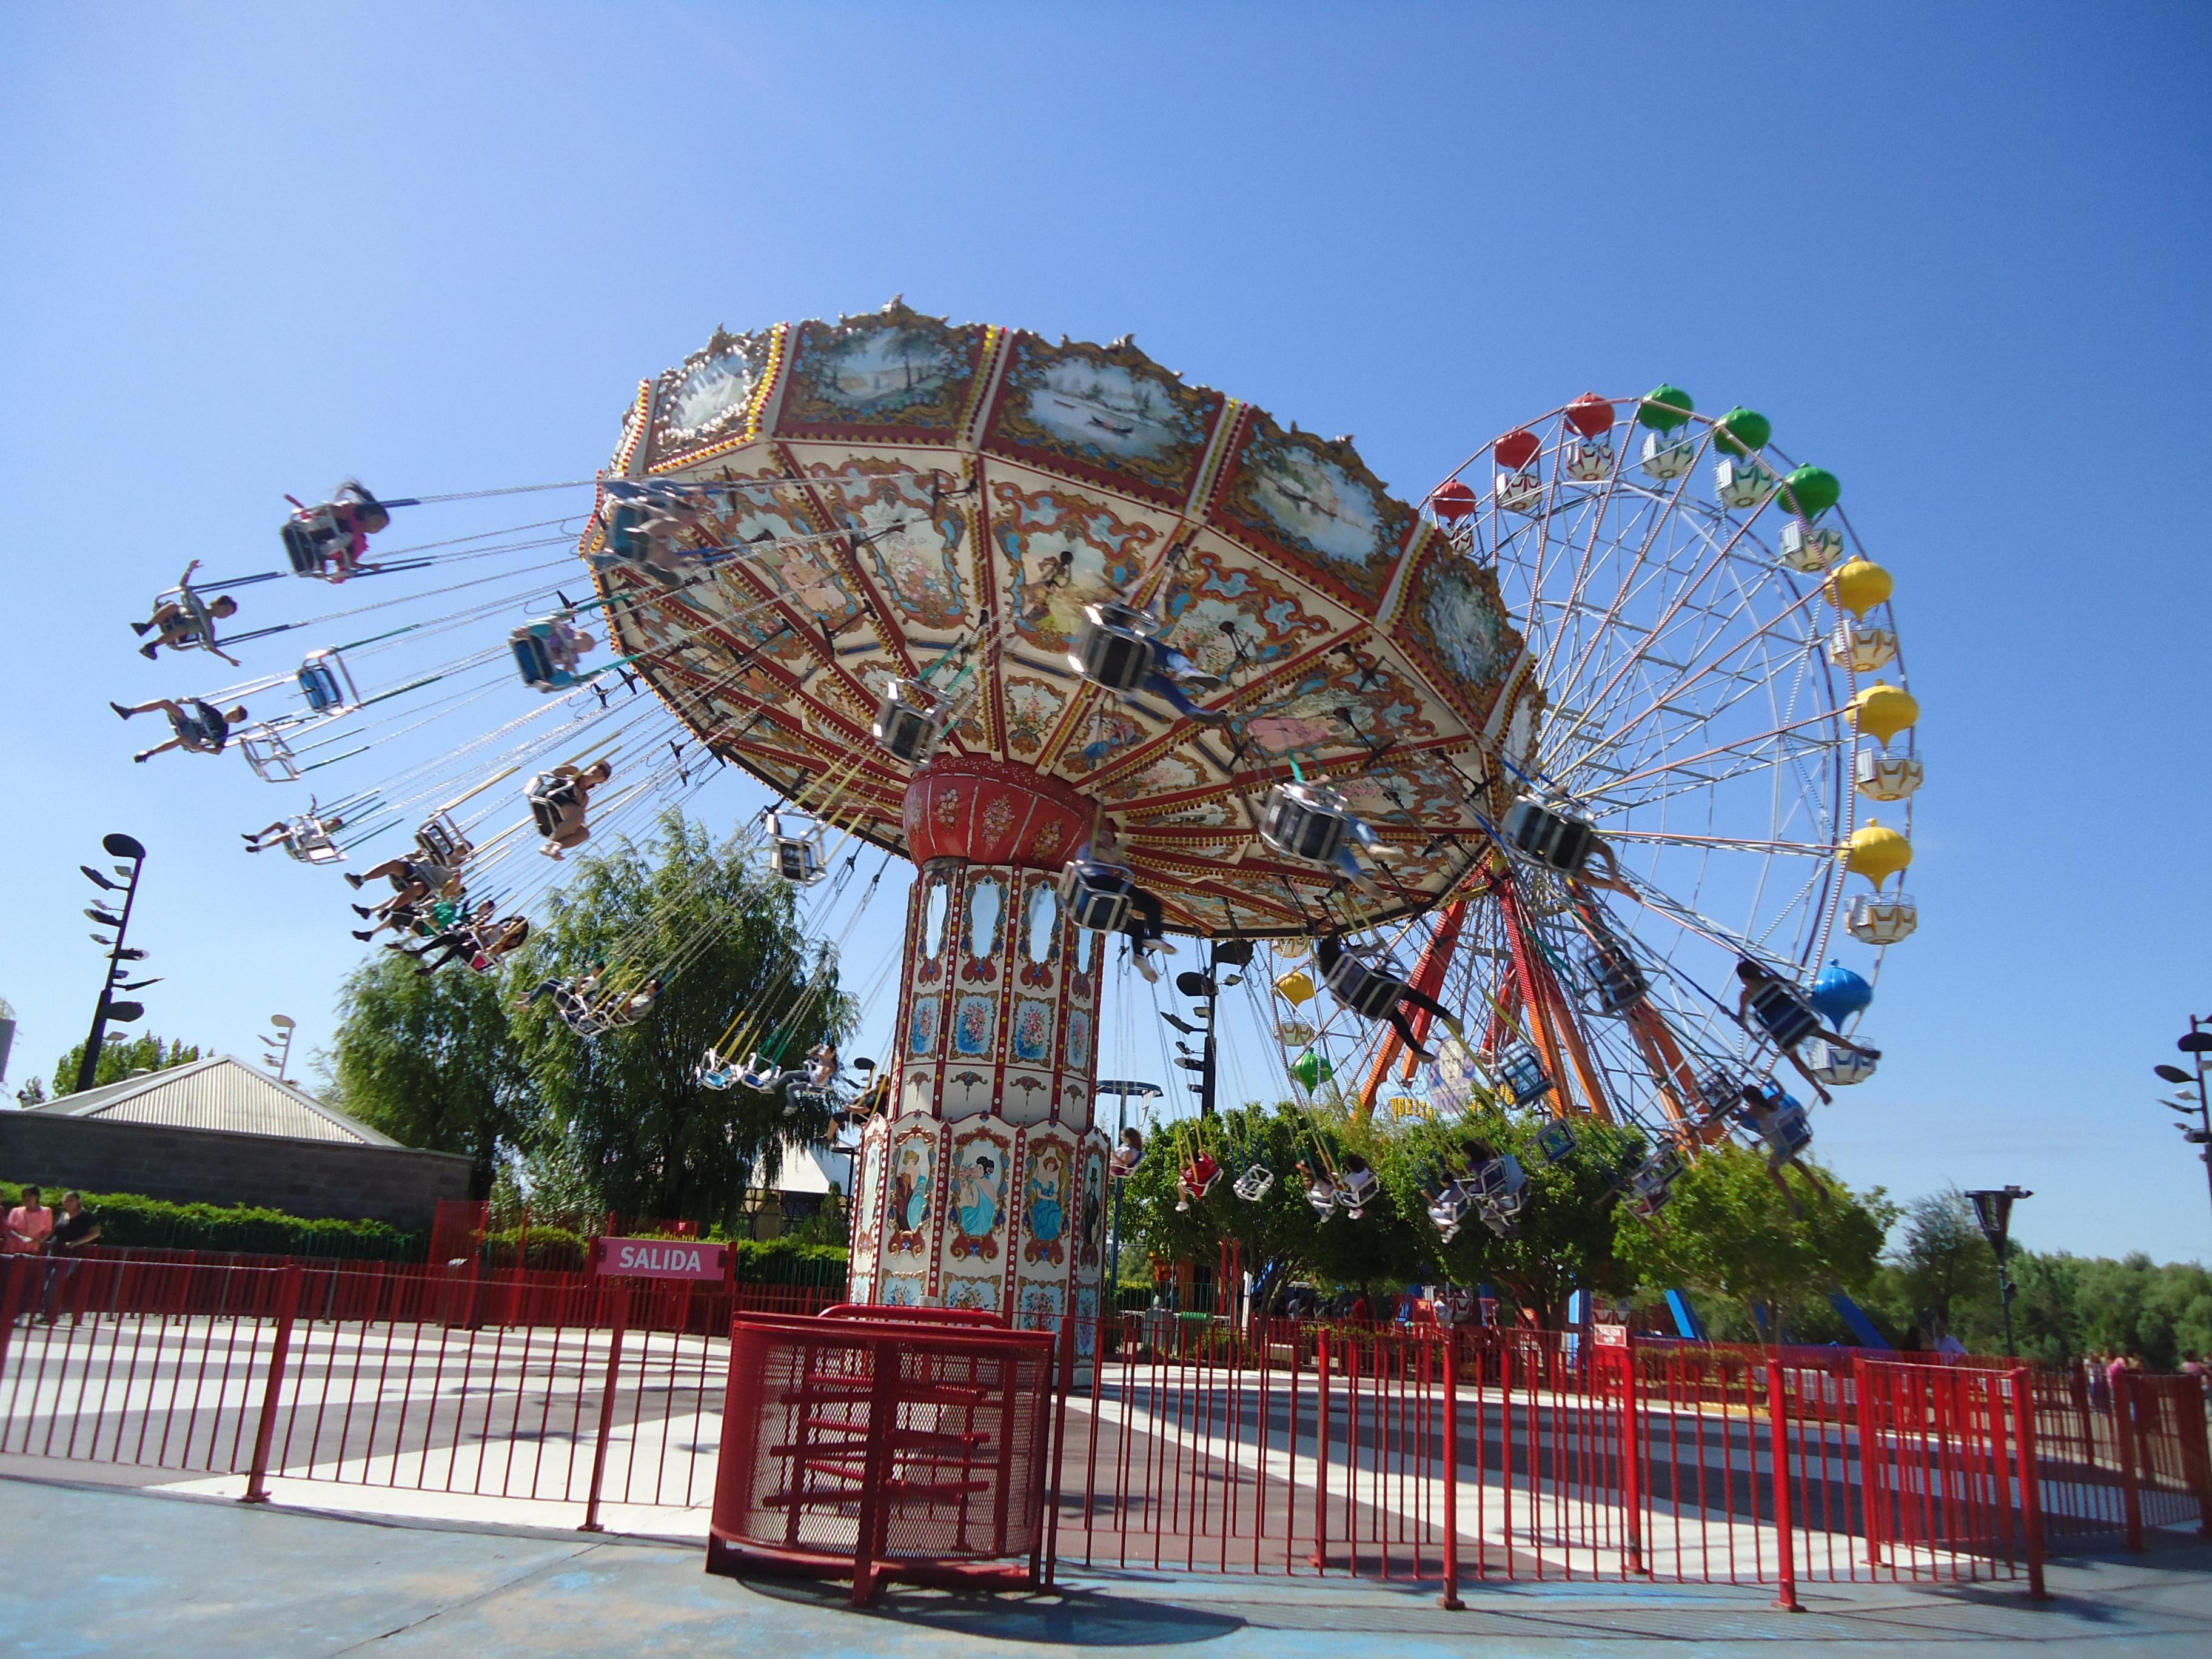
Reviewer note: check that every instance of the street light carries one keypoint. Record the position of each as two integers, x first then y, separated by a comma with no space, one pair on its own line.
2198,1045
107,1008
1993,1209
284,1023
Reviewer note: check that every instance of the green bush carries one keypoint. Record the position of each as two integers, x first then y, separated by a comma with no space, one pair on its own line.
129,1221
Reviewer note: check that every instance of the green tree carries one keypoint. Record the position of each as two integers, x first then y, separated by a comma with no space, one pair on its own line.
1945,1260
1564,1239
1280,1235
118,1058
1733,1231
431,1061
626,1118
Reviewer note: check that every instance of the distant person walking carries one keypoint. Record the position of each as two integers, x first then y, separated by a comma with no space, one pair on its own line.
73,1237
28,1226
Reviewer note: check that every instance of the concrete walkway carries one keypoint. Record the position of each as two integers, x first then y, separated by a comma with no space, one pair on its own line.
87,1569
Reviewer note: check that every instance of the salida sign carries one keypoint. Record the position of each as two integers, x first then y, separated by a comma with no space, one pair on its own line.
657,1258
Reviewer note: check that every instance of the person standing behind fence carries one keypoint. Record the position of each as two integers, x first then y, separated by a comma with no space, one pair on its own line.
2100,1382
28,1225
73,1236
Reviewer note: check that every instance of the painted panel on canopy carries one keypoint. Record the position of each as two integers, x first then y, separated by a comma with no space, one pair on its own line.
1316,507
713,396
889,374
1040,529
1219,585
911,534
1108,414
1455,628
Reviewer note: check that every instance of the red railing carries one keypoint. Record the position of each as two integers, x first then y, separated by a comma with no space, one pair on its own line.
1411,1453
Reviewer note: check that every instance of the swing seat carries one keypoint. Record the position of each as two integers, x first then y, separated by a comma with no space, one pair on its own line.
548,653
1359,1187
270,756
1521,1071
1615,980
442,842
550,800
1555,1139
200,634
1654,1180
797,856
1500,1184
1449,1209
326,684
1321,1194
1098,895
1307,823
312,844
1549,836
1370,985
1116,650
760,1073
1784,1014
1255,1184
309,535
909,723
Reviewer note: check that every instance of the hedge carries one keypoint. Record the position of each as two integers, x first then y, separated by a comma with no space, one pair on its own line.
127,1220
759,1262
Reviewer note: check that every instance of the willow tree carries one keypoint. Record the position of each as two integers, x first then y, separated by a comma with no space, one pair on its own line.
625,1109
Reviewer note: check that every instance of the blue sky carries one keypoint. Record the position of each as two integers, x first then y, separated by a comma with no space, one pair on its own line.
1959,255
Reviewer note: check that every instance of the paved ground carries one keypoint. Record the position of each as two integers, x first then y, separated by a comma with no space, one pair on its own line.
98,1570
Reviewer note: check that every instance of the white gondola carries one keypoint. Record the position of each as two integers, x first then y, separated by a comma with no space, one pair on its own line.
1294,1034
1781,1011
1097,894
1255,1184
1810,548
1616,981
549,653
1741,483
1837,1067
1881,775
269,752
326,684
1653,1182
1549,836
1860,648
1357,1187
910,721
1500,1184
1521,1070
1117,649
1370,983
1881,918
1668,458
798,849
1587,460
1308,822
1519,492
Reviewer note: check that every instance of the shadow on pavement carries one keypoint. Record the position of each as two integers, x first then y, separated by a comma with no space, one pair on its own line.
1072,1618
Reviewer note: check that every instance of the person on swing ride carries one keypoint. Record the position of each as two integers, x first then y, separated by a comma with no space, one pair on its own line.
1195,1179
1329,950
1122,650
1778,1007
290,834
822,1064
183,622
458,938
558,800
1321,1190
200,727
1129,1154
421,917
1098,865
336,534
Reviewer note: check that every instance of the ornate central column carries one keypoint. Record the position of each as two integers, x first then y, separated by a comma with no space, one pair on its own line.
983,1183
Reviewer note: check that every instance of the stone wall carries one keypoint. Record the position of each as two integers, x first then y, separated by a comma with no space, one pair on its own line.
310,1178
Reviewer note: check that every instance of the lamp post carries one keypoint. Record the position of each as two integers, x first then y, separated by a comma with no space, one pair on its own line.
2196,1045
281,1060
119,847
1993,1209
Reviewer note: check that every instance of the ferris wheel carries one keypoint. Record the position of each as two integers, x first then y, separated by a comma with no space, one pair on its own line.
1717,703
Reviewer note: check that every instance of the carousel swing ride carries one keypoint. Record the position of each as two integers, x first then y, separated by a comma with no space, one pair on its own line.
1551,791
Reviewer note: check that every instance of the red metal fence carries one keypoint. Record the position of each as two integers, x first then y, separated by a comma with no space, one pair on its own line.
1301,1447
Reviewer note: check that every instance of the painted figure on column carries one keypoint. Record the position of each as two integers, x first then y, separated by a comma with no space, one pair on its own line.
909,1209
1047,1213
978,1202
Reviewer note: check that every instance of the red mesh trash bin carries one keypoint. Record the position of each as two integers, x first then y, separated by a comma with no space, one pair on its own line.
880,1446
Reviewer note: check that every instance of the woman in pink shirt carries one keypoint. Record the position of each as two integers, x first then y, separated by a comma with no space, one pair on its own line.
28,1225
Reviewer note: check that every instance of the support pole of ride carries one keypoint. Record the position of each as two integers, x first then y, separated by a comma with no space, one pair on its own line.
2031,1483
619,1292
2123,1433
1778,1413
272,1392
1450,1599
1321,1454
1631,1470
